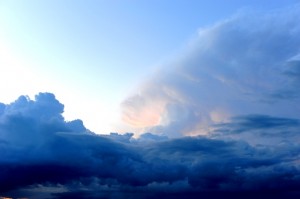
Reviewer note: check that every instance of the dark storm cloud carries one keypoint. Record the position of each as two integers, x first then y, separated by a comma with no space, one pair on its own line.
260,130
43,156
260,122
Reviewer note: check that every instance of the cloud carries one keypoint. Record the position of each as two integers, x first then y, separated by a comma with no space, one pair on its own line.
247,64
259,129
293,71
260,122
236,89
44,156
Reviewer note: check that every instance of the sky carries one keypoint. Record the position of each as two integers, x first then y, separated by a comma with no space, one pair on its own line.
149,99
98,52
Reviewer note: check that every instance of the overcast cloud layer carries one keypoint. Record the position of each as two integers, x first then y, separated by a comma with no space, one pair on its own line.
236,88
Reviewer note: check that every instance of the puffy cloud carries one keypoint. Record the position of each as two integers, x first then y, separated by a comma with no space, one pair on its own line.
43,156
247,64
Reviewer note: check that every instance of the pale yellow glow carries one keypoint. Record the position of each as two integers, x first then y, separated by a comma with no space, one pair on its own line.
149,115
219,115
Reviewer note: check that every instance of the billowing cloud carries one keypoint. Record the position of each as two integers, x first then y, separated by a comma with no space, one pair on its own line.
247,64
236,89
44,156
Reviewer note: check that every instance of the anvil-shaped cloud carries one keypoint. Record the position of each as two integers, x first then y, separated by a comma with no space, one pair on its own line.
248,64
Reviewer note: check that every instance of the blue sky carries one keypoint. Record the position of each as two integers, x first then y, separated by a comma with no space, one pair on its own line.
98,52
201,99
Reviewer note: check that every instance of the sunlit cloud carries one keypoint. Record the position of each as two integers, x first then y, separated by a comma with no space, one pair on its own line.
247,64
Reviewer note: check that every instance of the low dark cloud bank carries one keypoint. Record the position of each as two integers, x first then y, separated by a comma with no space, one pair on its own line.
43,156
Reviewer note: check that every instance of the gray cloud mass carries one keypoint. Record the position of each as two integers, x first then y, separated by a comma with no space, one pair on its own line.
43,156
